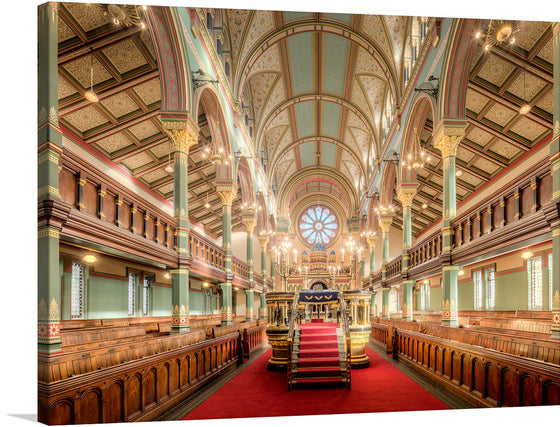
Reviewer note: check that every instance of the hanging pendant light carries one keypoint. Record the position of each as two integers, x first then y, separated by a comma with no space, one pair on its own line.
525,108
207,204
169,168
90,95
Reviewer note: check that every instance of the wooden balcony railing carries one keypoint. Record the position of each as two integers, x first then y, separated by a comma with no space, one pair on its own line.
523,205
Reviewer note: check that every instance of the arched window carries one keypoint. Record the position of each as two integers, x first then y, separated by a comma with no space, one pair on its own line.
318,225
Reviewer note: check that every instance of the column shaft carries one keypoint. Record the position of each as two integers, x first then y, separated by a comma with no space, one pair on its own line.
263,313
49,142
249,303
447,139
408,304
385,302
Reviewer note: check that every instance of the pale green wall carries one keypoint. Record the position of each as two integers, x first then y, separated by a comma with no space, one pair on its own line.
161,301
107,298
435,298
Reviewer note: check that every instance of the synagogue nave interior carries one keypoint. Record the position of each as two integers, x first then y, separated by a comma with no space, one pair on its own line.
244,212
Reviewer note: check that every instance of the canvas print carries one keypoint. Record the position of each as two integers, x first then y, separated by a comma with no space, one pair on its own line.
354,209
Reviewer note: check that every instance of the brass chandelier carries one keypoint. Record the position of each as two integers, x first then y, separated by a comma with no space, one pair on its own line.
500,32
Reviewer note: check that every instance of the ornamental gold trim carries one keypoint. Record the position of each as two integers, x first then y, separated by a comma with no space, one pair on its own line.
556,194
556,166
48,232
179,271
48,189
556,301
556,232
181,134
50,313
44,117
450,268
48,156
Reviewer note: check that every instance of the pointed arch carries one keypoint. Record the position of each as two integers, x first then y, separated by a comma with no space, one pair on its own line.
456,68
388,184
422,107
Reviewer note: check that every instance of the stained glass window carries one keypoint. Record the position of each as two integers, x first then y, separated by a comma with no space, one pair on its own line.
77,291
146,295
318,225
477,279
534,271
490,289
131,294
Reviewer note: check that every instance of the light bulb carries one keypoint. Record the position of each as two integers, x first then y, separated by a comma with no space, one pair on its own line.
524,109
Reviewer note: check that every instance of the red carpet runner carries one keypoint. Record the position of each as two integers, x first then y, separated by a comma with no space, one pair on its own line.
257,392
319,359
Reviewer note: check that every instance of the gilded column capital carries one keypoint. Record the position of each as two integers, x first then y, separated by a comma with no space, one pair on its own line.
372,241
385,222
227,193
406,195
263,240
182,134
447,139
248,219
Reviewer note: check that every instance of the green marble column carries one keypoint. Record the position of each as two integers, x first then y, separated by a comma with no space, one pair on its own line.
263,310
248,218
226,303
182,135
249,304
372,306
227,194
555,160
406,193
408,304
385,224
447,137
263,240
50,218
372,241
385,302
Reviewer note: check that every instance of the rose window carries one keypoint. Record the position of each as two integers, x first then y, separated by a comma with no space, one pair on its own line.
318,225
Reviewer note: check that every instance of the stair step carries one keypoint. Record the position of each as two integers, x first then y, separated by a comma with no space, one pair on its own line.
318,361
318,337
318,353
318,345
320,372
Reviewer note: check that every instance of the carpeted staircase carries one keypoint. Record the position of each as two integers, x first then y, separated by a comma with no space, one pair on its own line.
318,357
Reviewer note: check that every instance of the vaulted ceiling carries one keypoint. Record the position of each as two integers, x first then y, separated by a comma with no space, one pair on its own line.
318,84
315,88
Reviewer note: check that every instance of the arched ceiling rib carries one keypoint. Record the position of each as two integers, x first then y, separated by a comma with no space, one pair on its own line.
317,84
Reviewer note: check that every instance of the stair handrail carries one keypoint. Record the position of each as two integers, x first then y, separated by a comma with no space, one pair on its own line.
347,340
292,324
